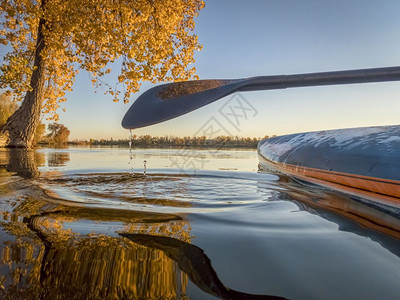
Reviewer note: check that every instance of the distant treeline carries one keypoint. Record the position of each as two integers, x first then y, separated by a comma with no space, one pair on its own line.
170,141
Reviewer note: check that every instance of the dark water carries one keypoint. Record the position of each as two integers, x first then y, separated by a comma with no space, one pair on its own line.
203,224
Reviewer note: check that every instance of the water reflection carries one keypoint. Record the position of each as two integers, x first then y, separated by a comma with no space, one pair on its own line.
193,261
350,215
102,267
47,253
113,235
57,159
26,163
21,161
43,258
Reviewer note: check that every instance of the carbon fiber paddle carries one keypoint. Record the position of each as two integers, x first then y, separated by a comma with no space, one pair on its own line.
168,101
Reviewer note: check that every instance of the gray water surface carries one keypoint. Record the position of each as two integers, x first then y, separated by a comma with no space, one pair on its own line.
85,223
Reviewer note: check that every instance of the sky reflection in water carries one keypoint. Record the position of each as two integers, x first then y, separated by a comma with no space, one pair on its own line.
201,225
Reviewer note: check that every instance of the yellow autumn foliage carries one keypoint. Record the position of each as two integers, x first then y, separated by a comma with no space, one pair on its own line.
152,40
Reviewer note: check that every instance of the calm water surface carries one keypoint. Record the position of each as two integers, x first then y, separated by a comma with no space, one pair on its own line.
86,223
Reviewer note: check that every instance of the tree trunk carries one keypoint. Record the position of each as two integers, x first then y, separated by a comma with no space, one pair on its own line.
20,128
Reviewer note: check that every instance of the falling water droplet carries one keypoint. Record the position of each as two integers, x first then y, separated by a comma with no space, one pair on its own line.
130,151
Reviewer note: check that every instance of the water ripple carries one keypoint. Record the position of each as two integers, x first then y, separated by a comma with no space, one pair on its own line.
175,193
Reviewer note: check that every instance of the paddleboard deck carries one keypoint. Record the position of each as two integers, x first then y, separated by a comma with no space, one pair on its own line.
364,162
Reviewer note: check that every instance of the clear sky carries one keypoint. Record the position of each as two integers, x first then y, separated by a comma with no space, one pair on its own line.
250,38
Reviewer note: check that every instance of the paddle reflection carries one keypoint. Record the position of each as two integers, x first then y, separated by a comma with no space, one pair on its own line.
194,263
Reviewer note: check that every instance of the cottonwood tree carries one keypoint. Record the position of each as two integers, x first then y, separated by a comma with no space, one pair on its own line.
58,133
51,40
8,107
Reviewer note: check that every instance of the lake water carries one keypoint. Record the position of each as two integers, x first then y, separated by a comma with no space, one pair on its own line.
87,223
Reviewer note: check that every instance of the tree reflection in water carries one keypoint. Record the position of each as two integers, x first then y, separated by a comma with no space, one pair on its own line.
57,159
21,161
43,258
92,268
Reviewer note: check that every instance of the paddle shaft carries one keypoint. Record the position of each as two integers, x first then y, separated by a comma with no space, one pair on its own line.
151,108
324,78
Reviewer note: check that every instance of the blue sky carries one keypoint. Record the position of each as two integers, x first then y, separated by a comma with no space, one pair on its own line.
250,38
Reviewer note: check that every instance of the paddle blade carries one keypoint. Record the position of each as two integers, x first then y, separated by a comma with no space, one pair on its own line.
172,100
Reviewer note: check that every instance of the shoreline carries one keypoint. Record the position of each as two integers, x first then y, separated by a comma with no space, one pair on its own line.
144,146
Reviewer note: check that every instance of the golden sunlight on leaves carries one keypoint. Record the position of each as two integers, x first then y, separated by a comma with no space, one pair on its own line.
152,40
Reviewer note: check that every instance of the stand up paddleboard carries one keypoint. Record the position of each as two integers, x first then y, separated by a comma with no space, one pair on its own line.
363,162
